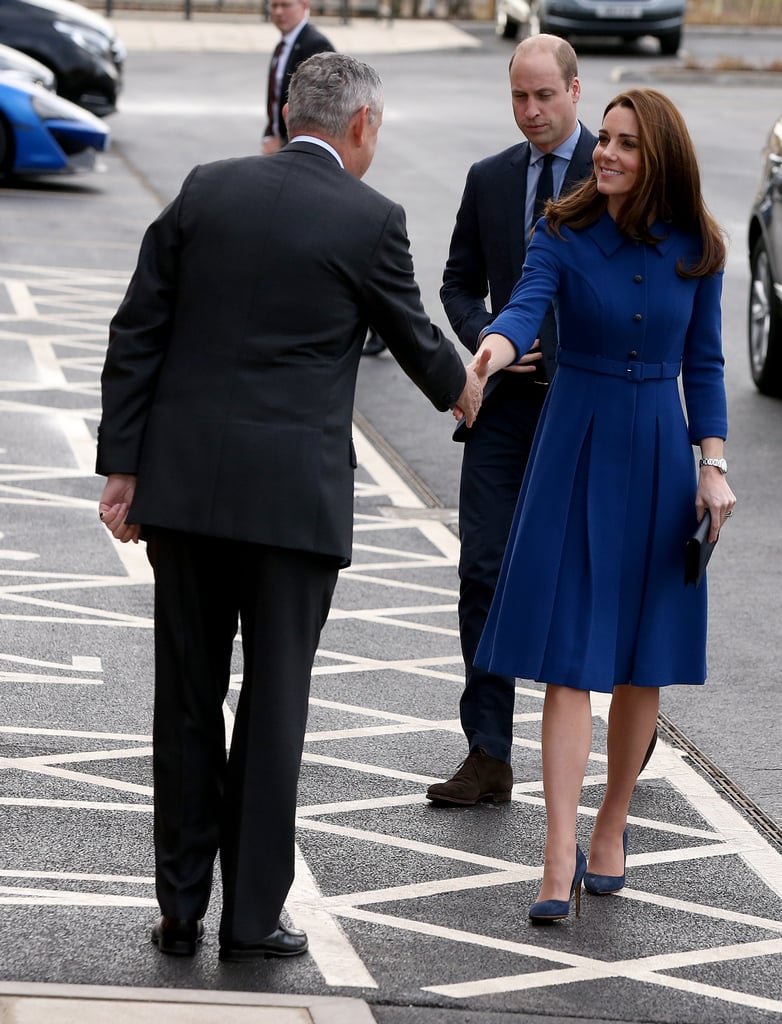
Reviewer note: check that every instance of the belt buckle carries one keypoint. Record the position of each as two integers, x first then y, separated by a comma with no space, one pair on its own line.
635,371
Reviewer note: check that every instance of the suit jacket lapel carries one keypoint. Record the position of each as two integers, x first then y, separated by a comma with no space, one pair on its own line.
514,201
294,57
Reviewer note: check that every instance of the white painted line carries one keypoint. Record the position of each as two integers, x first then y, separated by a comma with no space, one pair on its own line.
357,573
399,843
368,769
330,948
33,677
78,756
21,300
228,723
82,444
100,781
79,876
68,898
49,370
73,805
436,887
75,733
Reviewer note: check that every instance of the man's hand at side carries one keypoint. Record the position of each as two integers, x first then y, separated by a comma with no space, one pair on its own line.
528,362
114,504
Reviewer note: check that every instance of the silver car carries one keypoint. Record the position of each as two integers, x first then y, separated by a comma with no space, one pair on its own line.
14,64
765,264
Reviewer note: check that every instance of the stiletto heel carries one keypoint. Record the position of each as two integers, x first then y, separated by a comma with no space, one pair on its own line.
546,911
601,885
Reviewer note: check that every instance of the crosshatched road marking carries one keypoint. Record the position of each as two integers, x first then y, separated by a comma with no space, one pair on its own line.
62,314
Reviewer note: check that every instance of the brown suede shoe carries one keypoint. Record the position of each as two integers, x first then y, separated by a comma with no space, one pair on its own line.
478,778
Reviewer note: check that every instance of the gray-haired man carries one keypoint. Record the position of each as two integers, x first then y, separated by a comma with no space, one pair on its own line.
226,438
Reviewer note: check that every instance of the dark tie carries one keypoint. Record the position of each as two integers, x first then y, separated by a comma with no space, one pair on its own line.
545,189
271,92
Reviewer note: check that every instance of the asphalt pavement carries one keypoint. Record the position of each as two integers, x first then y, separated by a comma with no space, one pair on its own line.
416,914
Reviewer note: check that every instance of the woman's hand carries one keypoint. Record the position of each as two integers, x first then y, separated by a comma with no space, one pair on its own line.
714,494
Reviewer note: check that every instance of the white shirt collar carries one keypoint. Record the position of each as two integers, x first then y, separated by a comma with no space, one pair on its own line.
290,37
322,143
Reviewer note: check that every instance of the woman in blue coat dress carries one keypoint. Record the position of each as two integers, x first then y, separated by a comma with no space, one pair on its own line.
592,593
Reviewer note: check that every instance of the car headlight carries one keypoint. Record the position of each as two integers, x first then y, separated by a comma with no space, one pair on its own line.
88,39
52,108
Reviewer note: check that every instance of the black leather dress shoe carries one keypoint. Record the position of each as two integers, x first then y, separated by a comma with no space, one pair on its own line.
282,942
178,936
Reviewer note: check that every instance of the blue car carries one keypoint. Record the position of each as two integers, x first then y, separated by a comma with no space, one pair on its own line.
41,133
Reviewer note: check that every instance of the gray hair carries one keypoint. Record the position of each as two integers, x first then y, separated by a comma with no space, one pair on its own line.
326,91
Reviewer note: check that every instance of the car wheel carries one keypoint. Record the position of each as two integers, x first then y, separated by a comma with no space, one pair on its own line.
765,324
6,146
670,43
506,26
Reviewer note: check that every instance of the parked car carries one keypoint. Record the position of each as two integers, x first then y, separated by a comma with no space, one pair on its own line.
628,19
15,64
41,133
765,266
78,45
512,17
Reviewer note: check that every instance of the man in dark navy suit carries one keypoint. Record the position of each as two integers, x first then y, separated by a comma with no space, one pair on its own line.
299,41
226,435
501,202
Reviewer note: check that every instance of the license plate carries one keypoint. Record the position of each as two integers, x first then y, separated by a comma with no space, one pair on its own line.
618,11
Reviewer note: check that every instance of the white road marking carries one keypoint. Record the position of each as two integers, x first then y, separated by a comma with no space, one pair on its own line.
71,306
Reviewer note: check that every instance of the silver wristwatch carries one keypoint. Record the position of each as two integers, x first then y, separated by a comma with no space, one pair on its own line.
721,464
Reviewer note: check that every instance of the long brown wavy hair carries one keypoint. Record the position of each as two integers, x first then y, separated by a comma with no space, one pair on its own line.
668,187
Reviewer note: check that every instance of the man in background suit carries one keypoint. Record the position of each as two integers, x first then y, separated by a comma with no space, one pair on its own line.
226,431
488,246
299,41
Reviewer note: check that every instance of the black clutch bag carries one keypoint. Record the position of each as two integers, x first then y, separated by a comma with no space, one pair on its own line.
698,551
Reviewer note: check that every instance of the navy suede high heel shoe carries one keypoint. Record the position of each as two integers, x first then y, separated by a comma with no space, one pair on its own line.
601,885
546,911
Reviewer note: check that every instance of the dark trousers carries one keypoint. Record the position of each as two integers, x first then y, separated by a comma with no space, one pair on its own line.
496,450
243,806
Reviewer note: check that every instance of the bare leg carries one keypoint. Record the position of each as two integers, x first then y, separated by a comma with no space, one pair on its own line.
631,723
567,735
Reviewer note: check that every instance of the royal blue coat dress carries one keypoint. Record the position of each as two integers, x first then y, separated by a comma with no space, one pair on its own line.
591,593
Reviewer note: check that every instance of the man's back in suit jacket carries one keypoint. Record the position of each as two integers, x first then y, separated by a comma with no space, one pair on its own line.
243,326
227,400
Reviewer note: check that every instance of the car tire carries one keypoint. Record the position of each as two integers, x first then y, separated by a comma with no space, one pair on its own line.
6,146
505,26
764,325
670,43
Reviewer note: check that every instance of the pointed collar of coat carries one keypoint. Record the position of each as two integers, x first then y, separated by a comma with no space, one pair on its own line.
609,238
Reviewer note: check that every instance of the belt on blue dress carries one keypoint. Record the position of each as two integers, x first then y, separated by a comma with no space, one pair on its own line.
630,369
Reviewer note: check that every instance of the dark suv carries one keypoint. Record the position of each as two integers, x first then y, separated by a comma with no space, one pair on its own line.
79,46
765,263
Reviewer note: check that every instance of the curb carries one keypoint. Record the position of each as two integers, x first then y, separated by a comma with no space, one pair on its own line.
32,1003
709,76
247,34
